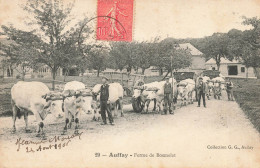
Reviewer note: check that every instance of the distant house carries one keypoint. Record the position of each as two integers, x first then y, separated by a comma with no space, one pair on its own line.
197,59
230,68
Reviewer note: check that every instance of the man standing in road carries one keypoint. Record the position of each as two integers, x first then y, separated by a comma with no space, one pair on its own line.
201,90
167,96
104,102
229,85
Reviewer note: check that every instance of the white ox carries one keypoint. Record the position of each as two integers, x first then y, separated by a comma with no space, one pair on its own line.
33,97
158,93
186,90
222,81
143,93
116,94
75,103
153,91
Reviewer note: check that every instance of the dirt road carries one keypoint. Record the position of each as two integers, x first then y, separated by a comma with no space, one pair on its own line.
216,136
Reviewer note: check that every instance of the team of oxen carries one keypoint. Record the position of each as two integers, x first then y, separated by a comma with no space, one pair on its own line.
76,98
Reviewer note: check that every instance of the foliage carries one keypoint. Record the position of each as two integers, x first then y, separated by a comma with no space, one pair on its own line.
180,58
53,40
216,47
97,58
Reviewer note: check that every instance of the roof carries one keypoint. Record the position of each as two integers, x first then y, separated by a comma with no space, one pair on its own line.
192,49
223,61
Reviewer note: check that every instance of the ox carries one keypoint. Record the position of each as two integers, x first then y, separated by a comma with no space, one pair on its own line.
186,90
222,81
34,97
153,91
157,94
142,93
116,93
77,99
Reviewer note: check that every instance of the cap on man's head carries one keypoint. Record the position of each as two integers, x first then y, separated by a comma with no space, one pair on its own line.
103,77
167,77
200,78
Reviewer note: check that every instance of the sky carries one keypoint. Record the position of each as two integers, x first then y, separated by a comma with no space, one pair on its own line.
163,18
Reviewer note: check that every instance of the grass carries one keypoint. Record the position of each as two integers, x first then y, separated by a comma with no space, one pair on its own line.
247,94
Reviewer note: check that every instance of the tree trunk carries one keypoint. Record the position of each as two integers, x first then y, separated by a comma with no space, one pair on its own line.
53,78
129,68
143,69
218,66
256,72
160,71
23,73
246,73
217,59
64,77
98,71
82,76
66,72
3,73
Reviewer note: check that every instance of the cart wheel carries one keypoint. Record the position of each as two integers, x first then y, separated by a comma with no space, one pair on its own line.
137,105
128,91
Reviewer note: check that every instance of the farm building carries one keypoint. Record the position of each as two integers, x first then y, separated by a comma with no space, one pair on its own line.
197,59
231,68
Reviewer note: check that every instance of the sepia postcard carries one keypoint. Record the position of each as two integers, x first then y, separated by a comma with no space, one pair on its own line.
129,83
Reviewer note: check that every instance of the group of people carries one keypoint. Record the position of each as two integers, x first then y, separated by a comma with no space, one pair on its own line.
202,89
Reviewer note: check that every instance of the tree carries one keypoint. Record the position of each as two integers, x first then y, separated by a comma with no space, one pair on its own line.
240,48
216,47
118,53
53,38
145,55
252,37
180,58
97,58
21,56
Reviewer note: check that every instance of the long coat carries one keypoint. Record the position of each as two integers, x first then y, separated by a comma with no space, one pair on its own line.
204,88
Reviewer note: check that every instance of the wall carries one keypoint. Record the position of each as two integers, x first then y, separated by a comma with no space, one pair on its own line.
224,70
198,62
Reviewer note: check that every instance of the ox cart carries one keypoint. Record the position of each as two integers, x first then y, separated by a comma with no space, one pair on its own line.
179,76
211,73
127,80
137,102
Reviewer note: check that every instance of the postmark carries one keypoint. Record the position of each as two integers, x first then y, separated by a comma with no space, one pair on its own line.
115,20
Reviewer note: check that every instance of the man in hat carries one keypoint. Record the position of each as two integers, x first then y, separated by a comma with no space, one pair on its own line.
167,96
104,103
201,91
229,89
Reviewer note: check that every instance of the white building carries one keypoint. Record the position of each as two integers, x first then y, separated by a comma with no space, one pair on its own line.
230,68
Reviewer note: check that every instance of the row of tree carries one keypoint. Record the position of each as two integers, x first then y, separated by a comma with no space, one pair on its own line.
235,44
56,43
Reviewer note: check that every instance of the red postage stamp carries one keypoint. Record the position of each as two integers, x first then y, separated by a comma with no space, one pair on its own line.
115,20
